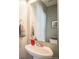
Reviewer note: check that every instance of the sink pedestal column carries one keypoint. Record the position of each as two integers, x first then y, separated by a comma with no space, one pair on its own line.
40,58
35,58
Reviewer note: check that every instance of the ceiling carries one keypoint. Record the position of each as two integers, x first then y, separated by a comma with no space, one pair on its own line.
49,2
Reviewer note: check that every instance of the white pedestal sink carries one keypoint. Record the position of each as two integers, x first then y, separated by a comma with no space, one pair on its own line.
39,52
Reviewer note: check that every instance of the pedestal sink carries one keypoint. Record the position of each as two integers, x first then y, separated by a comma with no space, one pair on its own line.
39,52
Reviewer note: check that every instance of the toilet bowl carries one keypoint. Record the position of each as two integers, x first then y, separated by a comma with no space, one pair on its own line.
39,52
53,41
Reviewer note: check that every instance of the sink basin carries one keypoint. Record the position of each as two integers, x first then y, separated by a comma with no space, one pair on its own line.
39,52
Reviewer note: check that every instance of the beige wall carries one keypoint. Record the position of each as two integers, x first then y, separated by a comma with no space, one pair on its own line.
51,16
23,10
23,14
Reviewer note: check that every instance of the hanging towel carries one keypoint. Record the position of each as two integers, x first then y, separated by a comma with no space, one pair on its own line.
21,31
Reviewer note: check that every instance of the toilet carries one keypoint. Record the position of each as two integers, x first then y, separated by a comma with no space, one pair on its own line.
53,41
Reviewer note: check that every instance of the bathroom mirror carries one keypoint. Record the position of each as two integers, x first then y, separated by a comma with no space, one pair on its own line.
43,18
